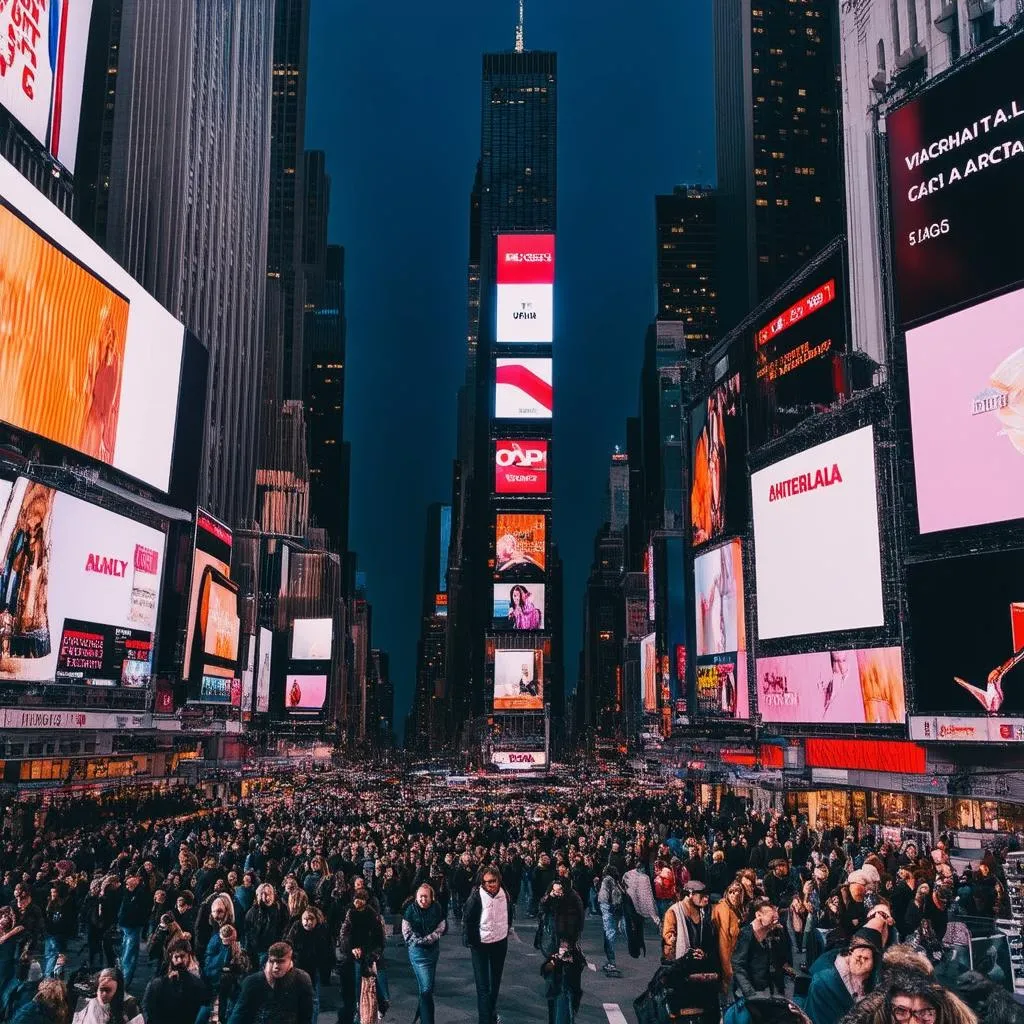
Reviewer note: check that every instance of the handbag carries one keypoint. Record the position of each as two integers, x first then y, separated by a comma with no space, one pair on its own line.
368,998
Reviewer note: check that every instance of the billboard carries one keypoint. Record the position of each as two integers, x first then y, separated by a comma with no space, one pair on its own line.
441,605
721,686
443,544
718,489
518,608
523,389
965,657
798,353
817,563
90,360
79,587
311,639
955,181
263,671
248,677
525,289
859,687
521,467
305,693
519,542
518,680
42,67
519,760
649,671
966,377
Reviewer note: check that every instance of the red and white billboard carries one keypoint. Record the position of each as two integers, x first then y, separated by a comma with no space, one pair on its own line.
519,760
525,280
521,467
523,389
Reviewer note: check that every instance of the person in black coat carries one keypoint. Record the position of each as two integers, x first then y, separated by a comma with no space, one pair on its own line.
360,946
178,994
312,951
264,924
762,957
281,992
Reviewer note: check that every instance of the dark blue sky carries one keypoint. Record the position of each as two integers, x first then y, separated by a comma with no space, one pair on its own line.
394,99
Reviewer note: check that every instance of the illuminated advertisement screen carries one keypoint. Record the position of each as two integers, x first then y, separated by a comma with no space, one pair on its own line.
519,760
817,562
521,467
263,671
248,678
523,389
519,542
441,605
860,687
718,490
218,687
305,693
721,665
518,607
89,359
444,543
966,377
798,353
525,289
966,658
42,67
649,671
954,165
311,639
518,680
80,590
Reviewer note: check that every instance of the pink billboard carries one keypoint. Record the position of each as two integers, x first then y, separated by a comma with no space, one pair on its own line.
966,374
862,687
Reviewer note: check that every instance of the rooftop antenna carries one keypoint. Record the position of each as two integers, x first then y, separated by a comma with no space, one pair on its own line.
520,41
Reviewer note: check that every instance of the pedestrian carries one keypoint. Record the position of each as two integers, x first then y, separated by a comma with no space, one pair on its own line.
486,923
312,951
728,921
132,917
360,947
423,924
50,1005
223,967
111,1004
61,926
609,899
762,958
264,924
837,989
280,993
178,994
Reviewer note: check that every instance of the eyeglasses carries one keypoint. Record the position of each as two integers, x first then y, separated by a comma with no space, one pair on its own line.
926,1015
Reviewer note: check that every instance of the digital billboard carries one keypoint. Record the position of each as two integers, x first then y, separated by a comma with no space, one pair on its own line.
444,543
721,686
718,489
248,678
798,353
79,588
521,467
89,359
525,289
311,639
518,607
263,671
519,542
966,659
955,180
966,377
523,389
305,693
518,680
649,671
859,687
519,760
42,67
817,562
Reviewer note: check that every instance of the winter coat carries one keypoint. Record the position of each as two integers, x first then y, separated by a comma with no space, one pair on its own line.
828,999
263,927
610,894
471,917
313,951
290,1001
638,887
172,1000
727,921
364,930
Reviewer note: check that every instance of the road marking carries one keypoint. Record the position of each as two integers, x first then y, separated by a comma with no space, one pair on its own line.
614,1014
592,967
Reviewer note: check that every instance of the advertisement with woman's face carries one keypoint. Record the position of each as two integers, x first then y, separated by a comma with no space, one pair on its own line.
518,607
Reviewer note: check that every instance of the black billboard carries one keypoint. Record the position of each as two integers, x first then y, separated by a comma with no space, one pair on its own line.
956,163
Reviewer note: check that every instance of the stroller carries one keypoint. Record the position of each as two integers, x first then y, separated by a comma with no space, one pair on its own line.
665,1002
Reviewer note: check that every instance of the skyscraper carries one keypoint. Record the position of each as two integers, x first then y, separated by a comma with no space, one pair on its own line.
186,211
780,176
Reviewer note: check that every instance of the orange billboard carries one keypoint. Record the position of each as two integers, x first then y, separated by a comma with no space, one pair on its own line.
519,542
64,334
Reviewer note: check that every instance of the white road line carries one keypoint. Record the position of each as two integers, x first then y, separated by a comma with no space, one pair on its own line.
614,1014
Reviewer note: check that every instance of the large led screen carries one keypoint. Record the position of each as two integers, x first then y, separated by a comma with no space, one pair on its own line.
817,563
518,607
519,542
79,590
649,671
718,491
42,67
263,671
798,354
518,680
965,657
305,693
525,289
523,389
444,544
521,467
311,639
860,687
89,359
955,170
720,690
966,375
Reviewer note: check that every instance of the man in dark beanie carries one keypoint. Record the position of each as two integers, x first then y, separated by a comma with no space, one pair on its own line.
178,994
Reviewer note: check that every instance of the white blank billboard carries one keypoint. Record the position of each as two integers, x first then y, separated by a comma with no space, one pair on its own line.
816,545
526,313
311,639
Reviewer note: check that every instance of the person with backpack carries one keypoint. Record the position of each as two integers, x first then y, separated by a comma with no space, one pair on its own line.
609,899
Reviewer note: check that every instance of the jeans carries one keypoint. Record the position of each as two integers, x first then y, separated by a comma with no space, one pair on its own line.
130,939
53,948
592,902
424,965
610,925
488,965
316,1002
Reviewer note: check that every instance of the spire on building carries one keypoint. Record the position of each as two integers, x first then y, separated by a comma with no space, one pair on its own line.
520,32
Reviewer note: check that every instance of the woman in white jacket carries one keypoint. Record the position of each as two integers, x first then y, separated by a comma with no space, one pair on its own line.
111,1004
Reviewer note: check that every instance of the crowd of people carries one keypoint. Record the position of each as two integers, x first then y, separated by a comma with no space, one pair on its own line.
249,913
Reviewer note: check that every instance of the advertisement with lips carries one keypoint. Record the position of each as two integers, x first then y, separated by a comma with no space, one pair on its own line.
521,467
525,289
956,156
79,590
305,693
523,389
